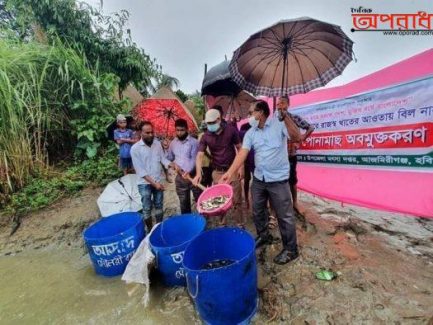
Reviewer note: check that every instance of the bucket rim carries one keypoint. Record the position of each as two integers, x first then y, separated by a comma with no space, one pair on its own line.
202,218
139,220
222,267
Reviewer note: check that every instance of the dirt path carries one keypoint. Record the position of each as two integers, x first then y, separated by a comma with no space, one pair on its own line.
384,261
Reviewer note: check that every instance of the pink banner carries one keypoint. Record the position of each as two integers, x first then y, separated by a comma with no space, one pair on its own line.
398,191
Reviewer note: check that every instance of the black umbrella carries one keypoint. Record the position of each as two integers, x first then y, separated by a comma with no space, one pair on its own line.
218,81
291,57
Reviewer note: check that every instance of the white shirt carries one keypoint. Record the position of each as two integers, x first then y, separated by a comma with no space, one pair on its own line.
147,160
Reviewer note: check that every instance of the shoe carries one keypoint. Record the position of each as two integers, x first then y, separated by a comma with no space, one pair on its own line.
266,240
285,256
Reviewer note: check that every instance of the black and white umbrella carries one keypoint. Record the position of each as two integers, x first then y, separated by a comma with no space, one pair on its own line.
291,57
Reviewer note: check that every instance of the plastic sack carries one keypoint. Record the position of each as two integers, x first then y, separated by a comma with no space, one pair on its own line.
137,270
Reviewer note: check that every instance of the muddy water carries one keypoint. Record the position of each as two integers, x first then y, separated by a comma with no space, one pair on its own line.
60,287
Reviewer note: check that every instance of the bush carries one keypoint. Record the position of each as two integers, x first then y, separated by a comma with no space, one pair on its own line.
45,189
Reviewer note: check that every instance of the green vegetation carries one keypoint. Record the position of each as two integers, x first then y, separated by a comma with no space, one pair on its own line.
52,106
45,189
103,39
61,63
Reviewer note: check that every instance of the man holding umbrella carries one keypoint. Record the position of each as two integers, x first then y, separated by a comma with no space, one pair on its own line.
268,137
283,104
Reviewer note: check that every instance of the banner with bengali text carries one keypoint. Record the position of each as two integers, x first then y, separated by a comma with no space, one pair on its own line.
389,128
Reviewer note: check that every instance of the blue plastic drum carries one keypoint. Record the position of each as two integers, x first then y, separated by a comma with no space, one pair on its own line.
221,272
168,242
112,241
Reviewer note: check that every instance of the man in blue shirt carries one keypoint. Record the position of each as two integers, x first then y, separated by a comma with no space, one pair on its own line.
268,137
147,157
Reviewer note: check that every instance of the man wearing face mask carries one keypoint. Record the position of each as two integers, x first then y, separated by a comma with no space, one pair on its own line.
147,156
268,137
183,152
222,141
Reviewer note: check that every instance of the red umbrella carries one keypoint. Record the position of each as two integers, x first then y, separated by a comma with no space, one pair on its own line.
162,110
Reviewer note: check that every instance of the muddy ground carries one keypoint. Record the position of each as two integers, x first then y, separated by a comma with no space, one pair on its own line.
384,261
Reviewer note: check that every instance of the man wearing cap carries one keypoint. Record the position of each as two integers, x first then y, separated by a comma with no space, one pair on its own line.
223,141
268,137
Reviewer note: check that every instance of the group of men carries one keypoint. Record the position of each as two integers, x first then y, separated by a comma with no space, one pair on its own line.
268,136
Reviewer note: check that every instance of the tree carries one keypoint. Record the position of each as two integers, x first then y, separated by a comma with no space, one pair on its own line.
168,81
183,97
199,105
103,39
161,80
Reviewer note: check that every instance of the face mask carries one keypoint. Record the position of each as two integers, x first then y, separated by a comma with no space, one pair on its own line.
253,122
213,127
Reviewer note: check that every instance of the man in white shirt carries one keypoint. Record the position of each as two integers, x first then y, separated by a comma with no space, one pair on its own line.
147,156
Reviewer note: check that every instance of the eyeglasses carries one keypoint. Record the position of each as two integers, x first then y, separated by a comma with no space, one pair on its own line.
150,132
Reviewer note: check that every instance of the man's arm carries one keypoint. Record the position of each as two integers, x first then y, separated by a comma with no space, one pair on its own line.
198,168
292,128
308,133
167,163
237,163
141,169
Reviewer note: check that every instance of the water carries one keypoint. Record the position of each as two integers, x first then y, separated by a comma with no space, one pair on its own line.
60,287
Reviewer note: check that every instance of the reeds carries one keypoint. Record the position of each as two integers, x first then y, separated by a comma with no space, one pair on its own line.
39,84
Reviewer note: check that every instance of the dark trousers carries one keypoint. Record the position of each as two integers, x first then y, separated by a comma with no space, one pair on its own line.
281,200
206,180
183,190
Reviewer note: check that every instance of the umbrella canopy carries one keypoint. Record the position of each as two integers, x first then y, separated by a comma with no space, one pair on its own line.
120,195
163,109
218,81
235,106
291,57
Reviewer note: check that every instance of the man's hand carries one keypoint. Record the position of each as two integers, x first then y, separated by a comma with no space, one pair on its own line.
159,187
197,179
225,179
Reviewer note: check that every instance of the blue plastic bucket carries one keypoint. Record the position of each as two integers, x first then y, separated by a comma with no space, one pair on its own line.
112,241
168,242
225,294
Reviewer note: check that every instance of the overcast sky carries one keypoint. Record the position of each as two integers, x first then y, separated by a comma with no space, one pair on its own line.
184,35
